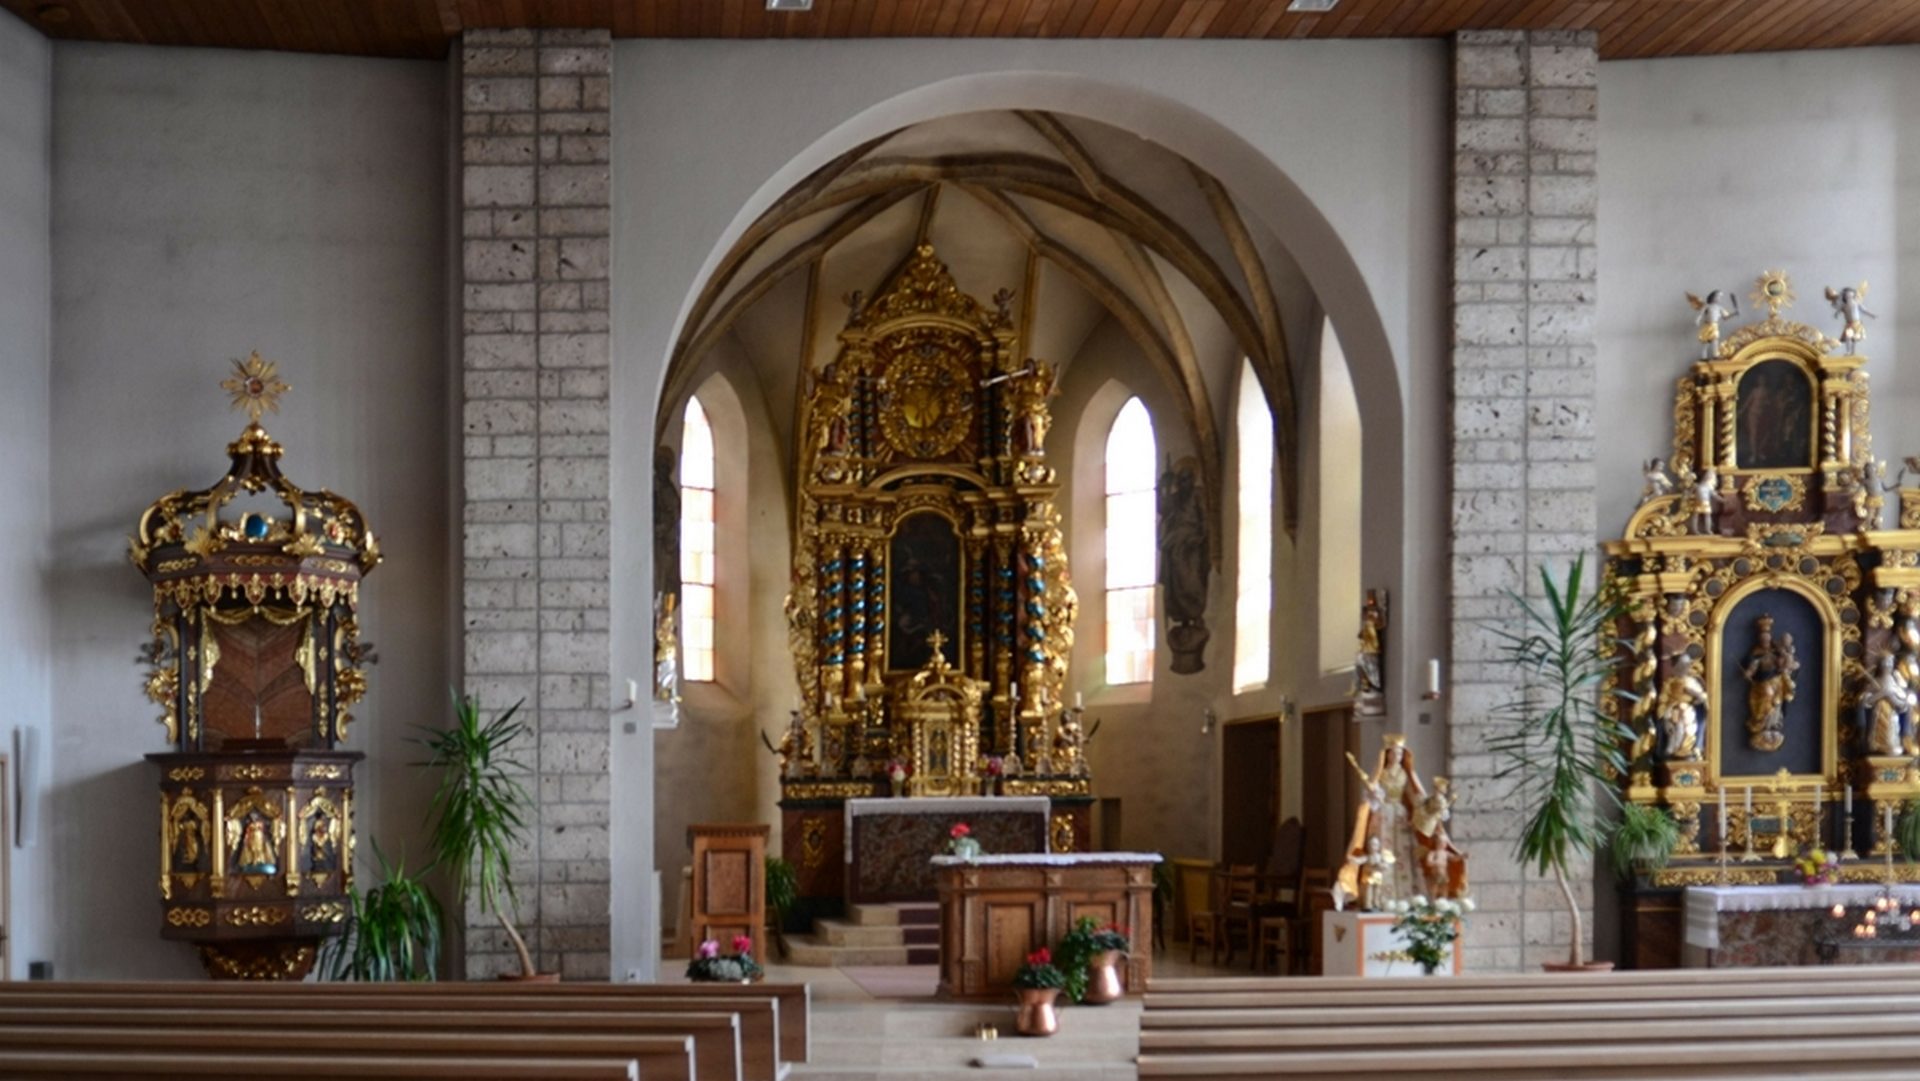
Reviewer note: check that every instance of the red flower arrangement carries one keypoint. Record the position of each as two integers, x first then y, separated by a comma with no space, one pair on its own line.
959,830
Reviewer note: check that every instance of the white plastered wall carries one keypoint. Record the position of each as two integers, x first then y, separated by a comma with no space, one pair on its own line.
26,560
207,203
707,135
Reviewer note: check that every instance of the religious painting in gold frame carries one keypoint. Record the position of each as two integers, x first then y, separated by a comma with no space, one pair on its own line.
1785,608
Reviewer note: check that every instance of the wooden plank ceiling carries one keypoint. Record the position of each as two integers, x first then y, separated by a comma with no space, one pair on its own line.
423,28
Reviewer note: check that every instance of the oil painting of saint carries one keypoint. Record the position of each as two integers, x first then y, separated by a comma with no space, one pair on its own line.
1774,417
923,594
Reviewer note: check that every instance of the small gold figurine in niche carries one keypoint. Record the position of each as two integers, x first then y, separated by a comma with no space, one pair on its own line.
1769,669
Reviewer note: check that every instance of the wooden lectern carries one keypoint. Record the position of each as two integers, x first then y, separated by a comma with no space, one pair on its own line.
729,882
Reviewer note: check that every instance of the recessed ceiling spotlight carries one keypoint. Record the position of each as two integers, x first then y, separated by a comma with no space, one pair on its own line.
1311,6
789,5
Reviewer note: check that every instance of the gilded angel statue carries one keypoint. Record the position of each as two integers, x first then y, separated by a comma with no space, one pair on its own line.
1718,305
1658,483
1846,305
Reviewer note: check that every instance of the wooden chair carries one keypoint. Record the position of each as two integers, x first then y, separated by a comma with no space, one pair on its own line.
1275,947
1236,889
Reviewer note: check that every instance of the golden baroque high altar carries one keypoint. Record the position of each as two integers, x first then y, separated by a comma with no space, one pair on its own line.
1771,642
255,663
931,612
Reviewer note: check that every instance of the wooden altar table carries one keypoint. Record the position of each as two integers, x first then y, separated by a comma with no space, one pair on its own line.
888,841
994,910
1745,926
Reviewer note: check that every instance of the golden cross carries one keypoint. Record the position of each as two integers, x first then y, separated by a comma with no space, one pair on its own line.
937,640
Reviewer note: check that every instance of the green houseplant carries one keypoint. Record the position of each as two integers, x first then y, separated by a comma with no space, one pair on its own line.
1559,747
1644,840
479,809
783,892
392,932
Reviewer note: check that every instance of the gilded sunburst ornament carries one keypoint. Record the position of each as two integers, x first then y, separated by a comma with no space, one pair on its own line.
1774,290
256,387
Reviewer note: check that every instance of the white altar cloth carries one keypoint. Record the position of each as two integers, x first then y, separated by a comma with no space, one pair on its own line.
1704,904
1046,859
944,805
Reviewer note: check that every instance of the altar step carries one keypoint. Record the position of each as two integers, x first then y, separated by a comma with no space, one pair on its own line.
905,934
936,1041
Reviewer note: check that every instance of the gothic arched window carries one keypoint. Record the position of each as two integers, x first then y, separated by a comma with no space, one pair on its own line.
1130,542
696,545
1253,552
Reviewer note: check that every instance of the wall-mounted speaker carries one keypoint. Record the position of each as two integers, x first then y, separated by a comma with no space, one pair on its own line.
26,787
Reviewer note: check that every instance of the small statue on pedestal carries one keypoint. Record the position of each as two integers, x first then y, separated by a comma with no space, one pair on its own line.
1369,662
1658,483
1769,669
1701,502
796,747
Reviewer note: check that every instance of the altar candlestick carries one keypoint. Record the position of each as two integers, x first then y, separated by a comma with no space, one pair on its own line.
1886,825
1849,799
1079,701
1433,678
1013,694
1723,818
1749,796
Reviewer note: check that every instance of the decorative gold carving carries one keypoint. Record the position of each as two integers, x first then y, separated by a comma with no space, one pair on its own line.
827,790
250,771
1713,876
923,287
325,912
1065,786
257,916
813,842
926,403
186,773
323,771
189,917
250,961
256,387
1060,834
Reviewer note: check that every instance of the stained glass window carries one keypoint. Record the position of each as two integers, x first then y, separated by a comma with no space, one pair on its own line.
697,556
1131,549
1253,587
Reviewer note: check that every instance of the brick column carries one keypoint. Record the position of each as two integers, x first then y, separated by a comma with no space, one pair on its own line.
535,180
1524,344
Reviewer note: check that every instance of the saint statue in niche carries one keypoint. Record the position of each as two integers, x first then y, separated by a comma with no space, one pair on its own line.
666,524
1774,417
1769,670
253,855
1369,672
1682,697
323,848
187,843
1889,701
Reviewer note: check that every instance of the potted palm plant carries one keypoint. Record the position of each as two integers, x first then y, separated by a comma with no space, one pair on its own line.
1562,751
1644,840
479,811
392,932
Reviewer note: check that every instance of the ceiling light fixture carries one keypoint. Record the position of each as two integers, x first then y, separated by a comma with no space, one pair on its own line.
1311,6
789,5
53,13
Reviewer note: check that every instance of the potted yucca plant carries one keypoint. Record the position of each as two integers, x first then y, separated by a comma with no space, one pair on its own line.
1561,749
480,811
392,932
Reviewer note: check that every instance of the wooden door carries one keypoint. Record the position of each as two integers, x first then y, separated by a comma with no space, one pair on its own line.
1329,789
1250,790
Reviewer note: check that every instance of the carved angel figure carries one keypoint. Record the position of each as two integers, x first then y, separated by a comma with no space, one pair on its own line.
796,747
1658,483
1718,305
1846,305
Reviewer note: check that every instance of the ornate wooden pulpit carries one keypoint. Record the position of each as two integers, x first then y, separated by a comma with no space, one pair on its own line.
256,660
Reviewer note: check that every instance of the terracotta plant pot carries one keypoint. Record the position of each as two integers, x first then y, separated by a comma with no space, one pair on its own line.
1590,966
1103,979
1037,1016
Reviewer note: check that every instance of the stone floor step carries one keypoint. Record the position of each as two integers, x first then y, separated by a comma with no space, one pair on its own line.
843,933
874,915
811,951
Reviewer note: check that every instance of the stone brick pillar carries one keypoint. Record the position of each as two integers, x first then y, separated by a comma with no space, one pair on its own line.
536,221
1524,344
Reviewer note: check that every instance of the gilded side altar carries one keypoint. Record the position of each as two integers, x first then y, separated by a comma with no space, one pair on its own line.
1771,647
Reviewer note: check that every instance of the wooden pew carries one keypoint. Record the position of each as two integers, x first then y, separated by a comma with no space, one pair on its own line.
758,1018
1885,1057
1833,1007
190,1066
1626,978
1423,992
793,1015
715,1035
659,1058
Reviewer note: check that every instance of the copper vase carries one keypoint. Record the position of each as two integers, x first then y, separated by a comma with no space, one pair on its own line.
1037,1016
1103,978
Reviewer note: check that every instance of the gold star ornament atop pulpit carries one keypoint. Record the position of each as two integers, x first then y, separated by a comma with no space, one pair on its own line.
255,385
